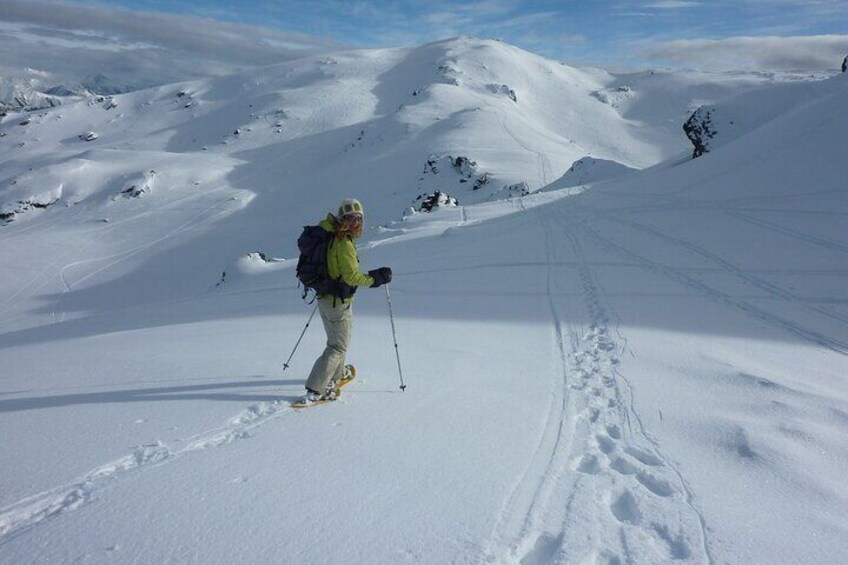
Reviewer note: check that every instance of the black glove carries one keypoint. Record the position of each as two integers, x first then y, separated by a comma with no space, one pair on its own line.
381,276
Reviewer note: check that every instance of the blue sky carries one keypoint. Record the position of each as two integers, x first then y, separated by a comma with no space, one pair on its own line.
584,31
144,42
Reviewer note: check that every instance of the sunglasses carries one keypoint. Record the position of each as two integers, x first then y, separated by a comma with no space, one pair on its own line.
352,218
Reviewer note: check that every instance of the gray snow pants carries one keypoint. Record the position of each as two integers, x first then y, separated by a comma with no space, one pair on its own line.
338,323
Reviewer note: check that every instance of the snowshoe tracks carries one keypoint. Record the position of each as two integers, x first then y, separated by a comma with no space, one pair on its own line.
608,495
33,511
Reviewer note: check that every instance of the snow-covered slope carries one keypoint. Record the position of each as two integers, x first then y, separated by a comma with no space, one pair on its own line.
520,118
517,117
18,94
478,120
648,368
710,126
660,101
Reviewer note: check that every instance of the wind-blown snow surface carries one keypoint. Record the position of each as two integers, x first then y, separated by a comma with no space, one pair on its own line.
648,369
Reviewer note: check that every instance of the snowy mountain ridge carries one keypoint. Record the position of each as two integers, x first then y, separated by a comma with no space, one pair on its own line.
404,107
32,93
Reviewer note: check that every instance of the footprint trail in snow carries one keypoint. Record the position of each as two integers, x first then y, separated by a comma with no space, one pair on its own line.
607,494
38,509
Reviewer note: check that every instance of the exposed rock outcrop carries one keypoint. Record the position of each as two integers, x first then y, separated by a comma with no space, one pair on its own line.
614,97
11,212
139,187
437,199
514,190
449,171
700,129
504,89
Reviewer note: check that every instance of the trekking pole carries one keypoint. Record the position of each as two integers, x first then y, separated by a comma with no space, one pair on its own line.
394,337
286,364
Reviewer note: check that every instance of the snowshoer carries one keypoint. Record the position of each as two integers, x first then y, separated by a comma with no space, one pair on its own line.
337,309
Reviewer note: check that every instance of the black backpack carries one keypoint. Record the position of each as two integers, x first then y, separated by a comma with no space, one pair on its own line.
311,270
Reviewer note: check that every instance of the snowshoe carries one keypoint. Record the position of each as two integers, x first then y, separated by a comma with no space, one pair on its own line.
334,391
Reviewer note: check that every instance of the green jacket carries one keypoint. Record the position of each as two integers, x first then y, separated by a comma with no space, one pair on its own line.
342,260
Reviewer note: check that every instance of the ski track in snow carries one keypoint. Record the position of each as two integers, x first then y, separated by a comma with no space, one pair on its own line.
666,271
730,268
772,226
202,218
48,274
597,489
38,509
544,161
519,518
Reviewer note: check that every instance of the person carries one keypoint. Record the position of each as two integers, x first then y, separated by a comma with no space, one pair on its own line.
337,309
845,64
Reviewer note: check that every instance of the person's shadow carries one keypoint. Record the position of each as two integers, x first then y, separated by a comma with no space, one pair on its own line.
234,391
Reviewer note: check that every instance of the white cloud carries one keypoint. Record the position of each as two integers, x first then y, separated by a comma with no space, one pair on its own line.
573,39
753,53
442,19
526,20
483,8
671,4
74,42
